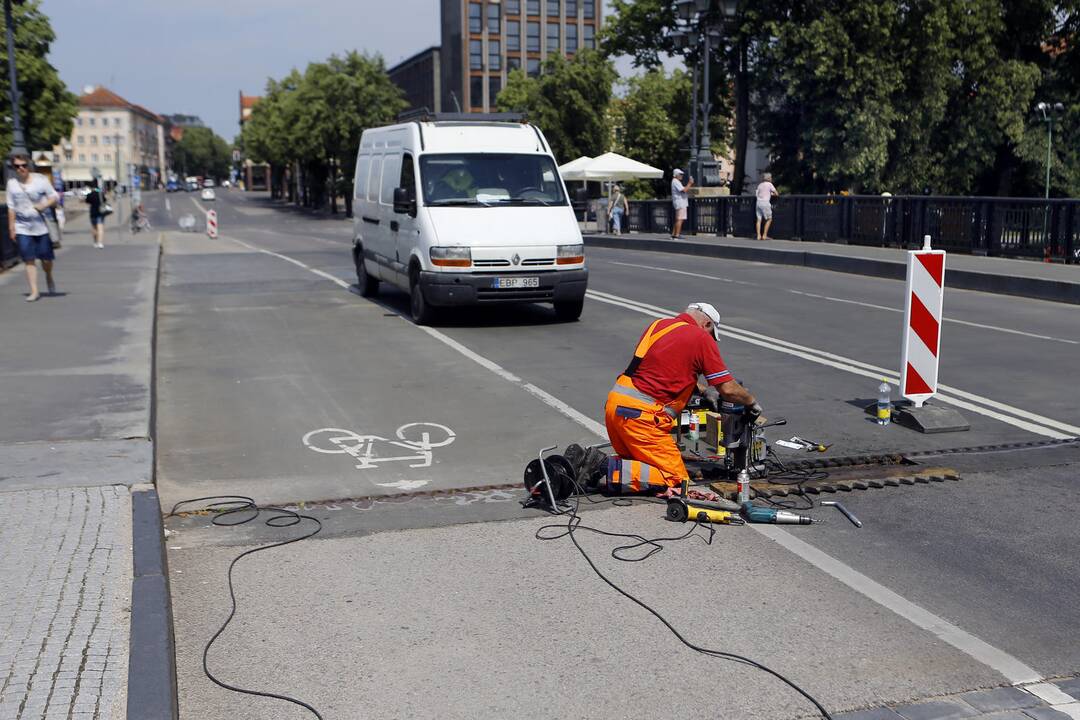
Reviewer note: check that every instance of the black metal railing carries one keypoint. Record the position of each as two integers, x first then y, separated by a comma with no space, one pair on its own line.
1002,227
9,253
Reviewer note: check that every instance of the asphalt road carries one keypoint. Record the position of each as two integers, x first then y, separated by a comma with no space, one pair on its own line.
261,345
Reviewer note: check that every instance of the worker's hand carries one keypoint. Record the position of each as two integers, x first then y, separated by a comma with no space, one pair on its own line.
711,398
756,409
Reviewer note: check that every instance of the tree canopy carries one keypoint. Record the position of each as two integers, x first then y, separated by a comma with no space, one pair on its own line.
897,95
315,118
46,108
202,152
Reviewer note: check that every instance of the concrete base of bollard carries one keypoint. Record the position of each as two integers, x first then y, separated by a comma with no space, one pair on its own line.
929,418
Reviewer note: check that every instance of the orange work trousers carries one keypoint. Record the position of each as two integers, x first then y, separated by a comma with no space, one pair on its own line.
645,438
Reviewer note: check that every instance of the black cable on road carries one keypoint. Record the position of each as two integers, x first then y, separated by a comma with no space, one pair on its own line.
227,506
573,524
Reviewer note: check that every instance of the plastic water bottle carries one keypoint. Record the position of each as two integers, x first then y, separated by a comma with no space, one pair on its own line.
884,403
694,433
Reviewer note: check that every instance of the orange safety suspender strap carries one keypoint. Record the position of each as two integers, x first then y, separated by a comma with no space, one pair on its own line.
647,341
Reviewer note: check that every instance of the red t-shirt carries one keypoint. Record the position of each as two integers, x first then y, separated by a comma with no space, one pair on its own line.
674,361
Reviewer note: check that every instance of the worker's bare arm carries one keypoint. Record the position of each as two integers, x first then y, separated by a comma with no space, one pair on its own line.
735,392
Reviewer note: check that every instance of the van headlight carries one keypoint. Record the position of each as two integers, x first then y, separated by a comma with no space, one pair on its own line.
451,256
570,254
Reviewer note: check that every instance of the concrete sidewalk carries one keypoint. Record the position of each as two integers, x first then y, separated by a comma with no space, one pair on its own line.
76,377
1024,278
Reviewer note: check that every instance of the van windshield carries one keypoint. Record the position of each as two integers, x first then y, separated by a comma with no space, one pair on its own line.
490,179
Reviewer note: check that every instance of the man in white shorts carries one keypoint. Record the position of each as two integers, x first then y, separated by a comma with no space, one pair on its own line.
766,191
679,200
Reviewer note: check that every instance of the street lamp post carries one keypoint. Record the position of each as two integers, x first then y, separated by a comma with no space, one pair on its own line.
701,24
18,144
1048,113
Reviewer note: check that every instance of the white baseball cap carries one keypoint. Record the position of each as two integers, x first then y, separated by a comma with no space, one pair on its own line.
676,171
709,312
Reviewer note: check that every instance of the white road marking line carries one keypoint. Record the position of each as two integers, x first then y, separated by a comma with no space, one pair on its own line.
484,362
1014,416
856,302
1015,671
1055,697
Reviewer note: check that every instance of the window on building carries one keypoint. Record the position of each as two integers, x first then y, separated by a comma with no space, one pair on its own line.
476,20
92,122
81,140
93,139
476,91
532,37
476,55
532,7
82,157
117,122
78,122
513,36
93,157
108,157
553,8
106,140
589,39
494,55
494,88
533,67
571,38
513,63
571,8
67,154
493,18
588,8
513,7
552,37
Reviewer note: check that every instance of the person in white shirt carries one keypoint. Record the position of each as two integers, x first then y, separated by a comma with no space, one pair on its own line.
29,196
766,191
679,200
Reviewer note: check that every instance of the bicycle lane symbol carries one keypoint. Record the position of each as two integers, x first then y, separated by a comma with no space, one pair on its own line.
413,445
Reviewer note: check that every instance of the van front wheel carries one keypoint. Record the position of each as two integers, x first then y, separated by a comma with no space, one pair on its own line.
570,310
422,313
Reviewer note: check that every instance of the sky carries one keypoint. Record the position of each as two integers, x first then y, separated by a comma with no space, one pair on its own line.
195,56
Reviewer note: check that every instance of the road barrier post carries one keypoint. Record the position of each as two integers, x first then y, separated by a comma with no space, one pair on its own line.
211,223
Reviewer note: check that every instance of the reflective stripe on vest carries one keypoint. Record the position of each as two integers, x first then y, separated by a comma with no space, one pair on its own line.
624,388
626,476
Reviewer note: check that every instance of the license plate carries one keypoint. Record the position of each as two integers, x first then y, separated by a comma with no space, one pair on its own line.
510,283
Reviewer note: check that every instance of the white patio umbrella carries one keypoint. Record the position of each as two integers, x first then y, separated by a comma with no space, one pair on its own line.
572,169
613,167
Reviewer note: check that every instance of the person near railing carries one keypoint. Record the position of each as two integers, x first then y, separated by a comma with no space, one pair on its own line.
766,191
617,209
680,201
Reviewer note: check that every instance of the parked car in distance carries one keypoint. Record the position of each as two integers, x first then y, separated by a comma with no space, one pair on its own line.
208,194
172,186
208,183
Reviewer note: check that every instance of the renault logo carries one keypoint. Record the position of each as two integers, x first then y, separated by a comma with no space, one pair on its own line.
516,259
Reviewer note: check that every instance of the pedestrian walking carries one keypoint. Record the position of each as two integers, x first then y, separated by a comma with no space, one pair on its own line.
29,196
96,199
766,191
679,201
617,208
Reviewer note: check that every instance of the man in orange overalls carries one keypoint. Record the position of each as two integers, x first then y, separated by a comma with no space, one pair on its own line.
645,404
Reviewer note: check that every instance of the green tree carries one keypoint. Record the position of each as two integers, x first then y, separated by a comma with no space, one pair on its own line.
201,152
568,101
653,120
46,107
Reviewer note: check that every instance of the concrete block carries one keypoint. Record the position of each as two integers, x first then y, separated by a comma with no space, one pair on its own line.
930,418
936,710
1003,698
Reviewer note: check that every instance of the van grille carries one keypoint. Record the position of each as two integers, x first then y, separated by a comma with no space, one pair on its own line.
533,262
497,262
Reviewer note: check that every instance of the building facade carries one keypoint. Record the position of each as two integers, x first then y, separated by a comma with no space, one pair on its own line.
420,79
113,139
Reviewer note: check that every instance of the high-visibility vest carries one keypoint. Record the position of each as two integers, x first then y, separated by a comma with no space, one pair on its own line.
633,476
630,397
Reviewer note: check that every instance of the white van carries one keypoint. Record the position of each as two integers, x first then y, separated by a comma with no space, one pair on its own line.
465,212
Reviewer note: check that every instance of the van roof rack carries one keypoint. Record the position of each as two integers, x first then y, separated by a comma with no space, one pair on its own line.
425,115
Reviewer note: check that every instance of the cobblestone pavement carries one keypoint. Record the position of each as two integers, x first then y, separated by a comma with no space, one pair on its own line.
1057,700
65,560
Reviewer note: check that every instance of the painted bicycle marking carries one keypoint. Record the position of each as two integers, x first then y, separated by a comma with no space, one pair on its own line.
369,451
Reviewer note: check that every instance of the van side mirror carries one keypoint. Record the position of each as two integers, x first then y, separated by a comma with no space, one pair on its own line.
404,202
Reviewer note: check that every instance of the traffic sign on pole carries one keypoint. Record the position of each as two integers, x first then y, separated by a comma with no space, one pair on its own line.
211,223
922,323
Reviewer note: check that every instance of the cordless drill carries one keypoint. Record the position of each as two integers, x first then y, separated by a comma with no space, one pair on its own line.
757,514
